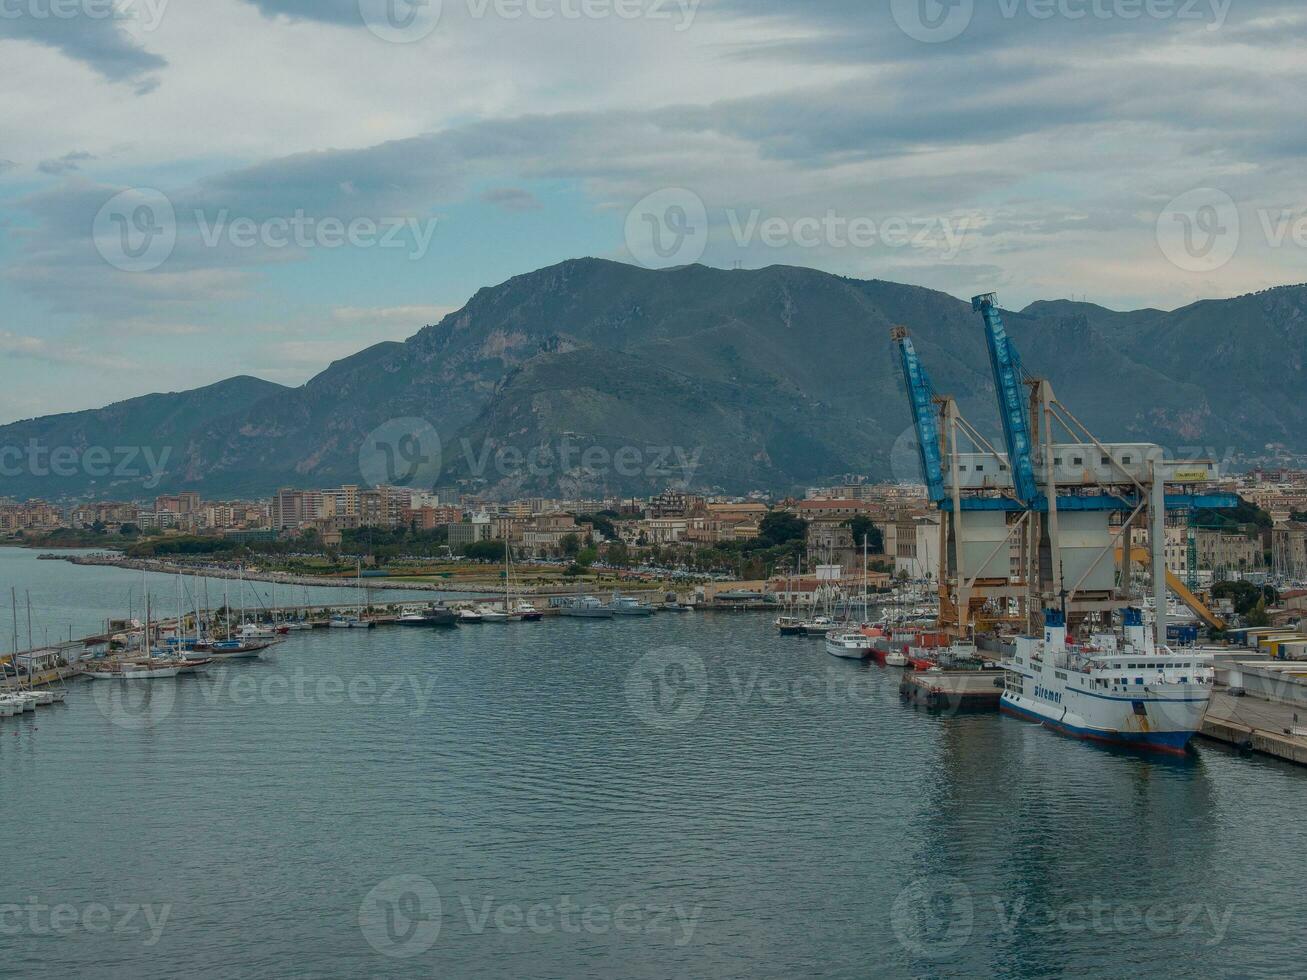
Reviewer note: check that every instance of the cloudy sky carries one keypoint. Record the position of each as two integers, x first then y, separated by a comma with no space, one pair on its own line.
193,189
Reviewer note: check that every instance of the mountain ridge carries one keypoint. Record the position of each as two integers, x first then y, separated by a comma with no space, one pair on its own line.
770,378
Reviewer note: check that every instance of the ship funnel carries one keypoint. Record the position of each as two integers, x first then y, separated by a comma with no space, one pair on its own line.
1054,630
1135,635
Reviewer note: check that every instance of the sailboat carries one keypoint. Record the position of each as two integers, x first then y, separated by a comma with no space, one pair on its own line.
355,622
505,614
145,668
789,624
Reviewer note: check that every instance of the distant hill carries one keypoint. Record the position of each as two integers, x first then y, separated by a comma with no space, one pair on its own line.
774,378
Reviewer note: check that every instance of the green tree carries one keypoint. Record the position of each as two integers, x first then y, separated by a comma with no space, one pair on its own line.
781,527
862,526
570,544
617,553
485,551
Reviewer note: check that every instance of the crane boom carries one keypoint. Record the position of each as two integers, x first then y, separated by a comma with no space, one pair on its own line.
921,397
1006,365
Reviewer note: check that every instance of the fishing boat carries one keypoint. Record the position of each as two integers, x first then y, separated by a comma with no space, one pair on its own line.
789,625
624,605
586,607
1129,691
849,644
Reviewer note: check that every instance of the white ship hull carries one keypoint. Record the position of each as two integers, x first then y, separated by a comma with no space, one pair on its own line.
855,646
1135,696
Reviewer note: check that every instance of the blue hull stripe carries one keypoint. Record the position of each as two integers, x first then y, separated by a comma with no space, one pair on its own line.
1157,741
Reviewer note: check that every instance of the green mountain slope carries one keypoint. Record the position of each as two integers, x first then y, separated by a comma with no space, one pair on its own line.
771,378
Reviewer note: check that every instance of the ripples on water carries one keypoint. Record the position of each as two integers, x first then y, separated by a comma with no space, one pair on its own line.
804,823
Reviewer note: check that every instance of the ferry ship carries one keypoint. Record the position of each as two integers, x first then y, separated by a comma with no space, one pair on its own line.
1133,693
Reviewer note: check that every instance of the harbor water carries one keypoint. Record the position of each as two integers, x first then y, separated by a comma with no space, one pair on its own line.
678,796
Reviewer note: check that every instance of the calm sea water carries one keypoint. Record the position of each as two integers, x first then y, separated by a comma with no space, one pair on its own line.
687,796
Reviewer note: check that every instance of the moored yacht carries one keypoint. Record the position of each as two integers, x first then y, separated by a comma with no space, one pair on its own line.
341,622
497,614
528,611
428,616
849,644
817,627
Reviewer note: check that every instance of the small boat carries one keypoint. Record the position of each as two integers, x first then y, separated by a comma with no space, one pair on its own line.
238,649
429,616
132,670
21,701
469,616
586,607
817,627
295,626
339,622
849,644
789,625
623,605
495,614
528,612
675,607
250,631
10,705
896,659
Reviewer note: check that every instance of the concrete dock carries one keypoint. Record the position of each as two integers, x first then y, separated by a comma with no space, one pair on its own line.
1257,725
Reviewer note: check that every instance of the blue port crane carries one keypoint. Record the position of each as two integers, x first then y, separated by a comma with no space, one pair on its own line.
921,397
1006,365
